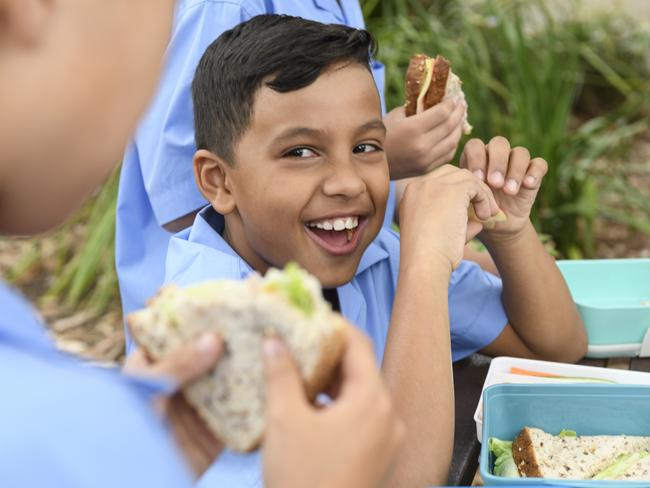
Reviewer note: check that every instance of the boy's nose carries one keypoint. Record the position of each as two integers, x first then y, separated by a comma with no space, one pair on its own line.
344,180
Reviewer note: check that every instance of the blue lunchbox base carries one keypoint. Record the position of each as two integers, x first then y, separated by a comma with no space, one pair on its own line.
613,298
587,409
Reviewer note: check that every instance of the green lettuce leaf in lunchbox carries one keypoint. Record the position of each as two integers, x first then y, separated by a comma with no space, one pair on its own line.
504,464
567,433
617,469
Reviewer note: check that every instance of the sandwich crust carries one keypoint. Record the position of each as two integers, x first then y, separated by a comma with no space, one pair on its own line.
330,354
414,77
523,452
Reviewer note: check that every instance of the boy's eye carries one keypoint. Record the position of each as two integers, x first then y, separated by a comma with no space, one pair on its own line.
366,148
300,152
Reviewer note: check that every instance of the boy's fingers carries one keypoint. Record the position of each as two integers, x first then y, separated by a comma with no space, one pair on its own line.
498,150
473,229
445,149
474,158
449,125
136,362
444,170
284,388
483,202
190,361
536,171
517,167
437,115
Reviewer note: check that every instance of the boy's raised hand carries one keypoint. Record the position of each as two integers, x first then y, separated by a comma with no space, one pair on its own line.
350,443
512,175
433,215
421,143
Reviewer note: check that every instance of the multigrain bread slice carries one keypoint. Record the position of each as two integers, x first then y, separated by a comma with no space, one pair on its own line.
538,454
632,467
428,81
286,303
640,471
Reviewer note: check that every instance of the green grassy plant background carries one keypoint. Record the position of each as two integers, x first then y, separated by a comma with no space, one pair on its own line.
573,90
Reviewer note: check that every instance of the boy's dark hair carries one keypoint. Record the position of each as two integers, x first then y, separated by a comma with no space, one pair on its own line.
286,53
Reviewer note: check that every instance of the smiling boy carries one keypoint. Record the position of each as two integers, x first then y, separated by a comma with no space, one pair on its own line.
291,158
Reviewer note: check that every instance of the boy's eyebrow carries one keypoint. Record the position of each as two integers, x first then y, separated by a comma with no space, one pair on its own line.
373,124
298,131
308,131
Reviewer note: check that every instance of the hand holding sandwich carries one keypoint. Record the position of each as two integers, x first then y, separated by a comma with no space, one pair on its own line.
349,443
423,134
421,143
543,322
513,177
434,215
183,366
302,443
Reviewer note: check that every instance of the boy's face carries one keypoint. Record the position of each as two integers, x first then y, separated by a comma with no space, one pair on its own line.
76,74
310,179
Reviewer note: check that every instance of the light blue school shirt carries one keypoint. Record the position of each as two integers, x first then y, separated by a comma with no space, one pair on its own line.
476,313
64,424
157,184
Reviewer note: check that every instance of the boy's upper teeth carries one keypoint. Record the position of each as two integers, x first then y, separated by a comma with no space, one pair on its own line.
339,224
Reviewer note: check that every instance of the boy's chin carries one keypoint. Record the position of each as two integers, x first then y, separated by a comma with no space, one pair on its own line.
335,279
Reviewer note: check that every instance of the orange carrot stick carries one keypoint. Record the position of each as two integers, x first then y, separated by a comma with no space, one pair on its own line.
527,372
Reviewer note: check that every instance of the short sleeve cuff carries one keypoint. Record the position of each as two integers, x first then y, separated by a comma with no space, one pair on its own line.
175,202
489,321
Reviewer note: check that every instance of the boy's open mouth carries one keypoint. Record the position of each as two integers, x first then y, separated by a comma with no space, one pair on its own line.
339,235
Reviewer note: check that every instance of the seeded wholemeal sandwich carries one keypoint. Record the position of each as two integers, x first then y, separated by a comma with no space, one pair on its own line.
538,454
428,82
286,303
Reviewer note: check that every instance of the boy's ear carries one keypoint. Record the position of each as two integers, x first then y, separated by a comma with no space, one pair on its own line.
24,21
212,179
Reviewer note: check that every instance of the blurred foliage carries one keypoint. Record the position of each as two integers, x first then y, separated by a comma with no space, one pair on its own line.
80,257
572,88
86,269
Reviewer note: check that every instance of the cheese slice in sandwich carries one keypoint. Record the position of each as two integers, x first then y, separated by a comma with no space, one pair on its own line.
231,398
538,454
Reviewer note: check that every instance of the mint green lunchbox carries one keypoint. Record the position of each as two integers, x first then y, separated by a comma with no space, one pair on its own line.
586,409
613,298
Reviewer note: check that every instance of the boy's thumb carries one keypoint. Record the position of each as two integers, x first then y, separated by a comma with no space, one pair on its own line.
284,388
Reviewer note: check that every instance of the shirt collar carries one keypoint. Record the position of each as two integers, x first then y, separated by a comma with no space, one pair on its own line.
207,229
203,240
208,226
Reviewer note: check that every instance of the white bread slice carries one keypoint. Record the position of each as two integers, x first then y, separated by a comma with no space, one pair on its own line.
541,455
452,89
231,398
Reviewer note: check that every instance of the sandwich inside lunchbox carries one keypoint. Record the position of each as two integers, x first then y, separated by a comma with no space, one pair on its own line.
570,435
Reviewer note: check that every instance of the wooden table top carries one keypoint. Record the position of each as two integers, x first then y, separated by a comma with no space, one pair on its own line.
469,375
